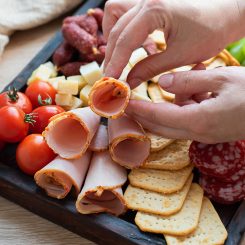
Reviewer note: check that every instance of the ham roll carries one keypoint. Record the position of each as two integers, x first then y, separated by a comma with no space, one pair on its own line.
129,145
109,97
100,141
102,190
69,134
58,177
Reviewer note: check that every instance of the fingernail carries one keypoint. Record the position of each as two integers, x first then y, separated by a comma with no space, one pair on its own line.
166,81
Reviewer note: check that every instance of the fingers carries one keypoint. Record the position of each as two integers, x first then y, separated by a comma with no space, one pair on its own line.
170,133
193,82
165,114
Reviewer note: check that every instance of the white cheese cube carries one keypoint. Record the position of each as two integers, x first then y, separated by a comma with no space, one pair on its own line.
91,72
63,99
81,81
136,96
125,73
54,81
53,69
142,89
76,103
84,93
68,87
138,55
158,37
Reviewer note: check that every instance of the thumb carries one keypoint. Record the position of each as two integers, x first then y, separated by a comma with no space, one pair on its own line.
191,82
153,65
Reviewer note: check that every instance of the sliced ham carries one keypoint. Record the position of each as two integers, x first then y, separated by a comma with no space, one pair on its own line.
109,97
70,133
129,145
58,177
102,190
100,141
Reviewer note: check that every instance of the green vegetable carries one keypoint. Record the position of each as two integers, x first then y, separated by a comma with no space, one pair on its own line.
243,63
237,52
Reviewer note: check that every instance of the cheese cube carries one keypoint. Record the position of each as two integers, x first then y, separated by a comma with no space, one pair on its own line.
138,55
91,72
167,96
125,72
63,99
52,68
84,93
136,96
76,103
158,37
142,89
68,87
54,81
81,81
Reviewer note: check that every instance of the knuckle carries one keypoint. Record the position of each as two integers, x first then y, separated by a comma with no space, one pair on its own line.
122,41
153,3
110,5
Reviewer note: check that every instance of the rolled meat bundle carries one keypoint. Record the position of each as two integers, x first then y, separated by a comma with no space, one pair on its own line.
129,145
100,141
109,97
58,177
102,190
69,134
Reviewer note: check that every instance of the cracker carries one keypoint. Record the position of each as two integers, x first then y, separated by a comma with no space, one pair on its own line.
158,142
210,229
182,223
155,93
156,203
163,181
173,157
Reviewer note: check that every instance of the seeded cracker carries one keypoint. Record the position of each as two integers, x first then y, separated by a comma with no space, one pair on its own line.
182,223
156,203
210,229
173,157
163,181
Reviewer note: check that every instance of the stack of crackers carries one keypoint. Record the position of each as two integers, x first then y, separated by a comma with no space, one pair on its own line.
166,200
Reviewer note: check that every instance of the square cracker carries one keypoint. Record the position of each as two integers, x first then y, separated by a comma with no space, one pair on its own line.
158,142
182,223
163,181
156,203
210,229
173,157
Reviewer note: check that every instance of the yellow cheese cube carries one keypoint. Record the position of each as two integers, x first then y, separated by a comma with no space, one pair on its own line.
91,72
142,89
158,37
81,81
136,96
52,68
54,81
84,93
68,87
76,103
138,55
63,99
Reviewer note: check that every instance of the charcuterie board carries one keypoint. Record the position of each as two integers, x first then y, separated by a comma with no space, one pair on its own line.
101,228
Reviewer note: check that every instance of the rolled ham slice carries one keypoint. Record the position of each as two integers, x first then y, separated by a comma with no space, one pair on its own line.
129,145
58,177
100,141
69,134
109,97
102,190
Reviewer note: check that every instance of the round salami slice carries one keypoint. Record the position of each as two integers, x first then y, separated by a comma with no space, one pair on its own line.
221,160
222,192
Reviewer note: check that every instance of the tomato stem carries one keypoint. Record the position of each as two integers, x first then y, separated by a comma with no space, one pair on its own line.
30,118
13,94
47,101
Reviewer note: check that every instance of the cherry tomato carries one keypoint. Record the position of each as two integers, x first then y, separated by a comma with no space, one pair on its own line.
15,98
45,90
14,124
33,153
2,144
42,115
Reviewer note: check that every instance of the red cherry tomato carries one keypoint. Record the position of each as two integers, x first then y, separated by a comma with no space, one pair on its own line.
44,89
2,144
42,115
33,153
15,98
14,124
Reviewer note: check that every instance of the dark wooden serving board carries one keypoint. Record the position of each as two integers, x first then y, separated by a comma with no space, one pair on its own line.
100,228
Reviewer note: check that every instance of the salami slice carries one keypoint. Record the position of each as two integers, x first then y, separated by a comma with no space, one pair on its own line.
222,192
221,160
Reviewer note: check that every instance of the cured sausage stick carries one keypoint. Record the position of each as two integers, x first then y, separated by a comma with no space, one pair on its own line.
58,177
109,97
102,190
129,145
69,134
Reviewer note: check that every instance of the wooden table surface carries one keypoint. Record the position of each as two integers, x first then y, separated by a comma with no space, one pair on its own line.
17,225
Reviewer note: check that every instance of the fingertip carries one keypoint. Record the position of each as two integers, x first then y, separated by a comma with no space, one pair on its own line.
166,80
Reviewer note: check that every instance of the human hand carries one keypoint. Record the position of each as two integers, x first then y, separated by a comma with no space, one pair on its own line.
194,31
219,118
